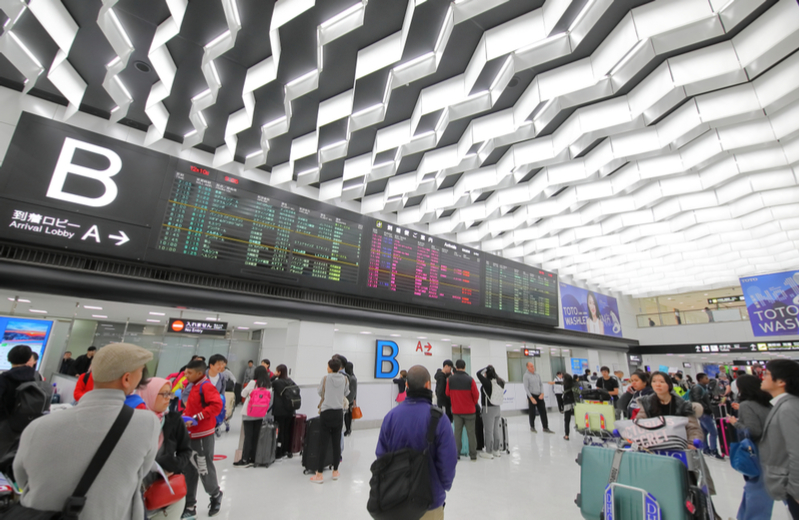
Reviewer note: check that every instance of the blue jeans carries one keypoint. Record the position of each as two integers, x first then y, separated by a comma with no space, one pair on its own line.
709,432
756,502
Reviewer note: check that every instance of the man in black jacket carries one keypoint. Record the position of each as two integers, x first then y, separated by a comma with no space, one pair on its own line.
10,380
66,363
441,387
84,362
700,394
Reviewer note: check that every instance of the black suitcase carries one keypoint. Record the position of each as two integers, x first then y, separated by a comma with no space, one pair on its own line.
311,454
267,444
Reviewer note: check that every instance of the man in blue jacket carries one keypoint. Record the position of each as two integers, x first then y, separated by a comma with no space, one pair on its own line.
406,426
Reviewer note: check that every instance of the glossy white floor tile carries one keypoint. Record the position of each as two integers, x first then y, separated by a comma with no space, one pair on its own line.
539,479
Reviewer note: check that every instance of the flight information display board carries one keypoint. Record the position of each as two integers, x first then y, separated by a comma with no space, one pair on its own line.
410,266
212,218
66,188
511,288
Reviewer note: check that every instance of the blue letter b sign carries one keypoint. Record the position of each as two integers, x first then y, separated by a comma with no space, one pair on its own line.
386,366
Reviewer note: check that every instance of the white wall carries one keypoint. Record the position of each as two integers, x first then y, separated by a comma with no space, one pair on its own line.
727,332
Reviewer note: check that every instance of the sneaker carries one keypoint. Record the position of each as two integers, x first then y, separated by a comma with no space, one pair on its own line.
227,427
475,459
241,464
496,454
189,513
534,430
548,431
289,455
484,455
218,433
215,505
718,456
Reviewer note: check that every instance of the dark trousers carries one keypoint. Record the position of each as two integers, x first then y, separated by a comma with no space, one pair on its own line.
568,415
560,400
348,419
792,503
542,412
285,424
332,422
201,467
251,431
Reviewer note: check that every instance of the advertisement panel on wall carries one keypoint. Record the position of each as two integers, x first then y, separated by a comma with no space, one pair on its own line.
587,311
772,303
22,331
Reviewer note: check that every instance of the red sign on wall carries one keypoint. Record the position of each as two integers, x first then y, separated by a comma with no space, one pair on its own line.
425,349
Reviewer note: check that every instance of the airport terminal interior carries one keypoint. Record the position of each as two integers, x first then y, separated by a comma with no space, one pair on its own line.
547,186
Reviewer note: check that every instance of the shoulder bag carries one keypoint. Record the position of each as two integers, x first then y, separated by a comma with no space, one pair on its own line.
75,503
744,456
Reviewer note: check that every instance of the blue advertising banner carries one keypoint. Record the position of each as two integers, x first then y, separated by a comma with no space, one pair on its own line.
587,311
22,331
772,303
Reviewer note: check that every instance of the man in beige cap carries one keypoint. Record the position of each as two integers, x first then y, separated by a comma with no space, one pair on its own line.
55,450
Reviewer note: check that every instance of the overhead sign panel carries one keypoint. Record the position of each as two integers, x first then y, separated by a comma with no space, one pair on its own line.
205,328
587,311
772,303
66,188
727,299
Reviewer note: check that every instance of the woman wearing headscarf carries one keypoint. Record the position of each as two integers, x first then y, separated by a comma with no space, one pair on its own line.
174,449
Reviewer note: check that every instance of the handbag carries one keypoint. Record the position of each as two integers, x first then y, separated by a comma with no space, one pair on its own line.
77,501
744,457
356,413
666,432
163,493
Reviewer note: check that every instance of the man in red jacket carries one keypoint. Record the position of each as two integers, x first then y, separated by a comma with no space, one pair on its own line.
463,394
202,408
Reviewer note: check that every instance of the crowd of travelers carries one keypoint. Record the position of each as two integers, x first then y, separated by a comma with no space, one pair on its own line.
151,431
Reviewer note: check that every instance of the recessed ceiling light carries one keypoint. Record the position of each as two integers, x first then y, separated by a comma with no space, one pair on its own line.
243,328
669,298
395,335
509,344
445,339
93,307
211,319
156,313
422,337
99,316
365,332
706,294
264,323
20,300
335,330
154,321
37,311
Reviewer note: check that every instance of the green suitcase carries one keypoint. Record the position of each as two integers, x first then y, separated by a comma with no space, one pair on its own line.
665,478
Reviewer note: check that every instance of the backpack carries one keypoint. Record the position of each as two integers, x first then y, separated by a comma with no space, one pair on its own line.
229,385
31,400
496,398
221,415
688,395
400,486
259,402
291,393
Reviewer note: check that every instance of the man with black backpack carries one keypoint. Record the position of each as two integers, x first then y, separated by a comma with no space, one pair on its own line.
418,434
22,399
701,394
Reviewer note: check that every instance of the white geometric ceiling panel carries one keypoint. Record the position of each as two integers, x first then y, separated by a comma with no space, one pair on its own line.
645,147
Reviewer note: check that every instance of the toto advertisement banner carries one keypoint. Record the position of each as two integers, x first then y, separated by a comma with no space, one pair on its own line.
772,303
587,311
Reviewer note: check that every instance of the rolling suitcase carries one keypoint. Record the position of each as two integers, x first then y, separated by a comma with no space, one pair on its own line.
311,454
298,433
665,479
267,444
504,446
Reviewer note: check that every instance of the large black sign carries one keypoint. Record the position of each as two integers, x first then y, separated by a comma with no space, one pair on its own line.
63,187
718,348
195,327
727,299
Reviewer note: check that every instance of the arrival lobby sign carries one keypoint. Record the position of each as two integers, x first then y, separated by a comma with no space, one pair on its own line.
772,303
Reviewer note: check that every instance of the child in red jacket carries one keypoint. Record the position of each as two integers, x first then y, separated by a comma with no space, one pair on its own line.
202,408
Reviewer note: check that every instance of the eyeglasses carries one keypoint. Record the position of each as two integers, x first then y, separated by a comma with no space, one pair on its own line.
165,395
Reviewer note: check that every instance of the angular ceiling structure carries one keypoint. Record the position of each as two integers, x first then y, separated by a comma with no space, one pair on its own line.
639,147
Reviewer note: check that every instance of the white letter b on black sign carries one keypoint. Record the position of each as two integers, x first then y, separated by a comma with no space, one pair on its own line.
65,166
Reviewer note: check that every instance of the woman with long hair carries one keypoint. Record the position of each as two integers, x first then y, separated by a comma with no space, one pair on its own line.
571,393
283,411
252,425
594,321
754,406
664,401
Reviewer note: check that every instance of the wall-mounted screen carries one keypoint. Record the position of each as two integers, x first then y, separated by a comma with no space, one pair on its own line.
67,188
23,331
588,311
